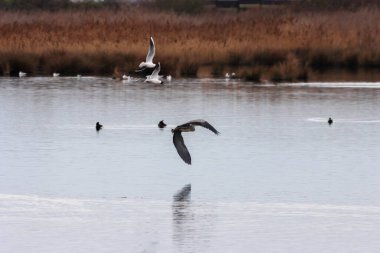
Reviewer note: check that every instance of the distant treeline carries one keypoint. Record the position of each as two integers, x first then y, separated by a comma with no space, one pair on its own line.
333,5
53,4
177,6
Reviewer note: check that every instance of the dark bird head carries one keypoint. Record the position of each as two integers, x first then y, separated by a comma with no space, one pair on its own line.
172,130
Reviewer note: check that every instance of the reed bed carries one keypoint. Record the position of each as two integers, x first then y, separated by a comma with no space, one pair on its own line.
278,44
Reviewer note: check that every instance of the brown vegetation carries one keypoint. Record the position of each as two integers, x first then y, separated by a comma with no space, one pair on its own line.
259,43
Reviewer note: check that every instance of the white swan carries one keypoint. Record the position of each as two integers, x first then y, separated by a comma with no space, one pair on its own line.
154,77
21,74
55,74
169,78
149,57
227,75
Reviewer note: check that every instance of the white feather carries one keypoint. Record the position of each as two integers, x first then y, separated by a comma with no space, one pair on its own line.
149,57
154,77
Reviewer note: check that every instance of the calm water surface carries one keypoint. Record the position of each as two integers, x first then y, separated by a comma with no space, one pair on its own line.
277,179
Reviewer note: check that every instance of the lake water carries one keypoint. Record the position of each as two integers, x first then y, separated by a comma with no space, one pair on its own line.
277,179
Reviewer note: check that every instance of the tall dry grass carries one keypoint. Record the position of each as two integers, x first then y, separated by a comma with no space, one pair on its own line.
283,42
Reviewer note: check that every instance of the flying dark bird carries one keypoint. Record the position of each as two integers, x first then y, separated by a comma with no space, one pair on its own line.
98,126
188,127
161,124
330,121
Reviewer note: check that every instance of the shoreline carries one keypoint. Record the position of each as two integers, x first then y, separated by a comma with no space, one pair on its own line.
325,78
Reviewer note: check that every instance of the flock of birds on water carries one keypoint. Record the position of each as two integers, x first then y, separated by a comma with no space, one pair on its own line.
155,78
178,141
148,64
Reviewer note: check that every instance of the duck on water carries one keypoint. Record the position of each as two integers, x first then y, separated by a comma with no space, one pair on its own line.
98,126
161,124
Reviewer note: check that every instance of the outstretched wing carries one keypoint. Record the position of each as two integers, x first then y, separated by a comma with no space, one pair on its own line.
155,72
179,144
203,123
151,52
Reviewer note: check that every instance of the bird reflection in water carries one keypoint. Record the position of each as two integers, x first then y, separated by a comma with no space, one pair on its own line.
182,195
181,204
182,215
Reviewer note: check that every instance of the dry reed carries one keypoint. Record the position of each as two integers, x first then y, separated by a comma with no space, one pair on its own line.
282,43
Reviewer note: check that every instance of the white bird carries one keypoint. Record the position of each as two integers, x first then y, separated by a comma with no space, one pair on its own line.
227,75
154,77
149,57
55,74
169,78
127,78
21,74
233,75
79,76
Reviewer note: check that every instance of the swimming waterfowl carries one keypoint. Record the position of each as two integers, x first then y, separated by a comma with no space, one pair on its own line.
55,74
21,74
154,77
98,126
178,142
148,63
169,78
330,121
161,124
228,76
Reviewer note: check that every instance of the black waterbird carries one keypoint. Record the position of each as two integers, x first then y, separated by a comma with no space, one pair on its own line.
161,124
98,126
